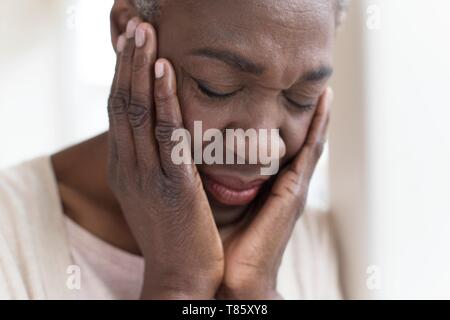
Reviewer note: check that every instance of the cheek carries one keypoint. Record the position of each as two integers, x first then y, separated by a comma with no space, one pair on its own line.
192,110
295,134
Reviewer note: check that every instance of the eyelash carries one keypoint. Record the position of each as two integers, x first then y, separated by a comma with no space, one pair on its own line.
214,95
303,107
219,96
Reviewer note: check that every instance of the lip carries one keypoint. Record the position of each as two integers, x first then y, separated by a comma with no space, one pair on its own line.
232,191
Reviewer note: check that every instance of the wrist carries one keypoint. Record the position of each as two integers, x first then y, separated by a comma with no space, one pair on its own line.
248,290
175,286
247,294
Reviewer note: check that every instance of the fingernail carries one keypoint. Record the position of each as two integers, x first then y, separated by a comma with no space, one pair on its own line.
330,95
131,28
121,42
159,69
140,37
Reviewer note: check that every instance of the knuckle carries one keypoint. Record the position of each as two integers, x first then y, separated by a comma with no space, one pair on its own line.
294,184
118,103
138,114
168,192
176,174
164,131
164,99
298,191
142,99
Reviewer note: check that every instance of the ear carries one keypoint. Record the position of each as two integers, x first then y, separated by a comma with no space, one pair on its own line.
121,12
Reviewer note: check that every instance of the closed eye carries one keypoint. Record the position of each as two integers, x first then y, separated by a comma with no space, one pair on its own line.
302,107
207,91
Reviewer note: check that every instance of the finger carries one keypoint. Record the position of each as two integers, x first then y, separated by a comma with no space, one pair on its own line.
280,212
168,115
120,48
121,41
140,111
120,130
119,135
125,52
291,187
304,165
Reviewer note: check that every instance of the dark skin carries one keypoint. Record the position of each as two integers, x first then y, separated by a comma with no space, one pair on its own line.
122,185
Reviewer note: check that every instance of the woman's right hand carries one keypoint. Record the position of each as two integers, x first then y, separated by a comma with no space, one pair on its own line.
164,204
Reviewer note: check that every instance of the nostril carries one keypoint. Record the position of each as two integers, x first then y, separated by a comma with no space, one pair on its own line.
277,142
254,146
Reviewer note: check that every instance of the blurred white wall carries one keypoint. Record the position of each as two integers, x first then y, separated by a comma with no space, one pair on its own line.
390,156
348,154
47,101
29,54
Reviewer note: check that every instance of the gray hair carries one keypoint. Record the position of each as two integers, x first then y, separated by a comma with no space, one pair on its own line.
149,9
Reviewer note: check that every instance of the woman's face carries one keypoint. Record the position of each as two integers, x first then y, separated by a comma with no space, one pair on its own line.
248,64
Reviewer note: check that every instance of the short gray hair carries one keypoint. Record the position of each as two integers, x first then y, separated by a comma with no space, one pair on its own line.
149,9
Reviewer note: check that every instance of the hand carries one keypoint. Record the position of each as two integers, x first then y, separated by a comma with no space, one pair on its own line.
164,204
253,254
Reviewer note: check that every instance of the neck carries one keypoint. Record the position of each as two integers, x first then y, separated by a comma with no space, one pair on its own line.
81,174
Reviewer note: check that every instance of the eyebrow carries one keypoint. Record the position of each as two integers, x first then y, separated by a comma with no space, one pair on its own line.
243,64
233,59
319,74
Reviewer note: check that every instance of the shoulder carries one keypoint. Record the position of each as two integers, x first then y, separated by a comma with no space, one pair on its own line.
25,191
17,179
20,178
24,188
28,195
310,263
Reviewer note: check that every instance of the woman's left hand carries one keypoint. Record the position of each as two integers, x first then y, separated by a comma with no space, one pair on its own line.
253,254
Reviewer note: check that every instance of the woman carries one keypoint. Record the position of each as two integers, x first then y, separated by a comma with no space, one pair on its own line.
116,218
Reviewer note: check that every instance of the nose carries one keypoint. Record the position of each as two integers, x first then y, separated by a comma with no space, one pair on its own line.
258,125
273,141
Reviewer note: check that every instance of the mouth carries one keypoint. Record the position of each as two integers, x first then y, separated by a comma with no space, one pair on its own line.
231,191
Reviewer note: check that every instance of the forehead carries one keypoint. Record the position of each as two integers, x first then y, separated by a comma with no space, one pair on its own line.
288,33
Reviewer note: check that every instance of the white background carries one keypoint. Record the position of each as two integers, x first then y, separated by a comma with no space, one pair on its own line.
390,149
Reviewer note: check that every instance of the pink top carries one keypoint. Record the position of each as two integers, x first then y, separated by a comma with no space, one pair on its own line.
107,273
